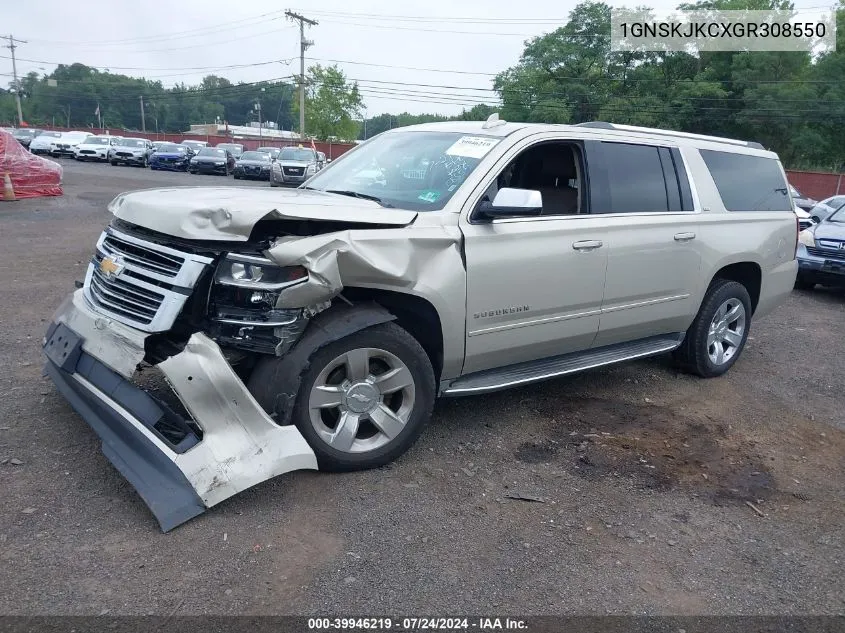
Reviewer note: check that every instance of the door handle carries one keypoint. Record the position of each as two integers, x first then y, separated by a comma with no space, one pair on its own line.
587,245
684,237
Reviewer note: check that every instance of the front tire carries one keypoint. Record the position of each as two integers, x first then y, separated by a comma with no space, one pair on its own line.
363,401
717,337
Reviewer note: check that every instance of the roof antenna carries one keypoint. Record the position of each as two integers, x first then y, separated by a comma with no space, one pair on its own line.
493,121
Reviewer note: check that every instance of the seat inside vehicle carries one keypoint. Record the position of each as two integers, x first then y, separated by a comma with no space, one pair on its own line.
553,169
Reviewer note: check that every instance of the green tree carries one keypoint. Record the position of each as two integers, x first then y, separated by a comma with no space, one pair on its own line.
332,104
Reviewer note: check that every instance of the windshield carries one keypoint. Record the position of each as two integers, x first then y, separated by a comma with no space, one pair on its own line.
297,153
256,156
231,148
169,148
193,143
409,170
133,142
50,134
23,133
98,140
838,215
212,151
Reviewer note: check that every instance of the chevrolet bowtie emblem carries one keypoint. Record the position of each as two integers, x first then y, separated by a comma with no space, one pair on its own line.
111,267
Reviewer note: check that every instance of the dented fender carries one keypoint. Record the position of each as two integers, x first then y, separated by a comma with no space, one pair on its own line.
424,261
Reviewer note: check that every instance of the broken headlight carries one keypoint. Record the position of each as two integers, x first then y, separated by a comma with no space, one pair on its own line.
249,271
243,304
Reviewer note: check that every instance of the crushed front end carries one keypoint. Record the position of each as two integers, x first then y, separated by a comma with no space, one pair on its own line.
199,316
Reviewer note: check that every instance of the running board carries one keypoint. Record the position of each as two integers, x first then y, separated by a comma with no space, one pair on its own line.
537,370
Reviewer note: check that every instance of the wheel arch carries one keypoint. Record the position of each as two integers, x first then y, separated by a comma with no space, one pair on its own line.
333,324
747,273
413,313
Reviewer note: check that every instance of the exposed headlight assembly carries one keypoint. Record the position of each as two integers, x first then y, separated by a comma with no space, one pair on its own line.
258,273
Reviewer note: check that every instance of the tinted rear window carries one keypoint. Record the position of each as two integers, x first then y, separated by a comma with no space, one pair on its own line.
637,184
748,183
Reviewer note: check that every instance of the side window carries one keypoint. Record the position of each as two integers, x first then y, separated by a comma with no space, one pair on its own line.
636,179
555,169
748,183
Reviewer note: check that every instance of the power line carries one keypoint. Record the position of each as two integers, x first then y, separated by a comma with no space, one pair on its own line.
224,26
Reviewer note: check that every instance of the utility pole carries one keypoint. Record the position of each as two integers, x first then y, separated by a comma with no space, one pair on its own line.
11,46
143,121
303,44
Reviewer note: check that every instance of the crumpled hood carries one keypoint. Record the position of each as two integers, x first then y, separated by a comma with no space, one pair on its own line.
230,213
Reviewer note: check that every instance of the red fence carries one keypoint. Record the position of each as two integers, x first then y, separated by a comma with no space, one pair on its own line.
331,150
816,184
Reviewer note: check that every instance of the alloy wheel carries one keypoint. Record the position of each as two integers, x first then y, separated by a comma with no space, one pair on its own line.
725,335
362,400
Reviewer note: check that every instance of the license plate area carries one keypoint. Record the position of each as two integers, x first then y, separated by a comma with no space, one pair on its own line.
63,348
833,266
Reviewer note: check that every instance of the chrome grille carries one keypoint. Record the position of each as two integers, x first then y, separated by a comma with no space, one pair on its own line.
148,283
832,252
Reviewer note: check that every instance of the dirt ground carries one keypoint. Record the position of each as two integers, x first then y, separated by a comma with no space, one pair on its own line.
631,490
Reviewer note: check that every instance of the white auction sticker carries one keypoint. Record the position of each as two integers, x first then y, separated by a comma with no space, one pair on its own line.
472,146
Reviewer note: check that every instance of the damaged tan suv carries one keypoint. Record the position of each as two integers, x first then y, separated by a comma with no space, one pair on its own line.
314,327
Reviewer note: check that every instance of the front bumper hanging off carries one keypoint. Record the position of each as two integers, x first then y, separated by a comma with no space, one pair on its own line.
229,445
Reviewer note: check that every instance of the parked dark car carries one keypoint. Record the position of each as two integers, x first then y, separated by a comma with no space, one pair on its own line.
131,151
253,165
235,149
821,253
171,157
273,151
211,160
25,135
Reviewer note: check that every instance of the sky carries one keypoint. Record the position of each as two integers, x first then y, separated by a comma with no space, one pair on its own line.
416,56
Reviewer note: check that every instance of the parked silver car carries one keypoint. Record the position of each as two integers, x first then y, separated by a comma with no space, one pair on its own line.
293,166
826,207
314,327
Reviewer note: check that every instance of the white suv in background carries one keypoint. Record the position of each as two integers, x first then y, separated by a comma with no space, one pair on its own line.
41,143
95,148
66,144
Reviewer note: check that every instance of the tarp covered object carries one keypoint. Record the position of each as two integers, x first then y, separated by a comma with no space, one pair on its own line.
31,175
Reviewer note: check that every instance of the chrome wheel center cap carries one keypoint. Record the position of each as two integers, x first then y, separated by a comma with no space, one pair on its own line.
361,397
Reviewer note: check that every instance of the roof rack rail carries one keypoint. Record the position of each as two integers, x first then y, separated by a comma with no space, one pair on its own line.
603,125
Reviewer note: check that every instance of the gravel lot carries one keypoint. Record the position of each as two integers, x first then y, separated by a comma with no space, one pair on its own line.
643,478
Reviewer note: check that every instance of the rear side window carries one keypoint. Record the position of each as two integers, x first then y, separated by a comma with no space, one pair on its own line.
748,183
630,178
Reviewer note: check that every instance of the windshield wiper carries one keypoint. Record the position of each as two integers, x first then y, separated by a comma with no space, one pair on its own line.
356,194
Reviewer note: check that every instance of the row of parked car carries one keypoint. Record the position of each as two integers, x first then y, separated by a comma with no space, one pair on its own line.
279,166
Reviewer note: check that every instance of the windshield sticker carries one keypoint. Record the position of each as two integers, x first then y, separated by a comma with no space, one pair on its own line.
429,196
472,146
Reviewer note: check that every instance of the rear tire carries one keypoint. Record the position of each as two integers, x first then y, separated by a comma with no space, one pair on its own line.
384,385
717,336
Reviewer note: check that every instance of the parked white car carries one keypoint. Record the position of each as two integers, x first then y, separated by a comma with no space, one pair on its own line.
95,148
41,143
66,144
826,207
